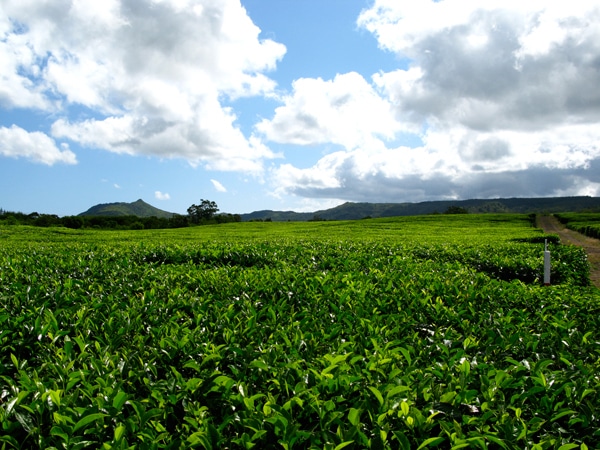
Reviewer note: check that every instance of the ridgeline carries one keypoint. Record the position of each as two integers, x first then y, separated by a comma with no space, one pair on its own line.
138,208
354,211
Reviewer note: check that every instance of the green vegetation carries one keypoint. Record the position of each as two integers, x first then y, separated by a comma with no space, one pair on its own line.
203,212
355,211
138,208
124,216
408,333
584,223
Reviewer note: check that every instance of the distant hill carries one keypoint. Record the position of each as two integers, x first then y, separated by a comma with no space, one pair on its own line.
352,211
138,208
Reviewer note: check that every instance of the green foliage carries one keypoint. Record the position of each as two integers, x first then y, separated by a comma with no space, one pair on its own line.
456,210
138,208
107,222
75,222
584,223
114,222
412,333
203,212
355,211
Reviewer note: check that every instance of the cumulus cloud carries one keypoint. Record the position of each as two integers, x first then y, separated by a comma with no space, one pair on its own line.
498,65
161,195
218,186
15,142
346,111
502,95
154,74
344,177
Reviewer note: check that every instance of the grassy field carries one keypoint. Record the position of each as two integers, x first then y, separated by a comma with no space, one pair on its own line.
413,332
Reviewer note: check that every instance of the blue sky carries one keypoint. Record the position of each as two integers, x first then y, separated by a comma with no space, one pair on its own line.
295,104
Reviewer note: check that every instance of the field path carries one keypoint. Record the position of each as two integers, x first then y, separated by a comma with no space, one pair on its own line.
550,224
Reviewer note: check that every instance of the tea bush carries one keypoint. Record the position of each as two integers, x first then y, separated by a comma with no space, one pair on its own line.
370,334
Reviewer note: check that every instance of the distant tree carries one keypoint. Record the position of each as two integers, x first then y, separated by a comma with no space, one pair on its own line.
10,219
456,210
74,222
202,212
47,220
178,221
227,218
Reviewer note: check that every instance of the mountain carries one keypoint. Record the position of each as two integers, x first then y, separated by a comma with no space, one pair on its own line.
353,211
138,208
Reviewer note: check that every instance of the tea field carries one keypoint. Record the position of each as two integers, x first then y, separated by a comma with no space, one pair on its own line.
404,333
584,223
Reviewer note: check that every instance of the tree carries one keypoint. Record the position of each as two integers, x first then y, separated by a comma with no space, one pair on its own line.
178,221
74,222
456,210
202,212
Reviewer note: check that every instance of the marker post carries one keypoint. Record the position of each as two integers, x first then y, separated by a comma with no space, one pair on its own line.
546,264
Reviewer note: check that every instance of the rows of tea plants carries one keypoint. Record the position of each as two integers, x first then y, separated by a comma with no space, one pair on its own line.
584,223
433,229
287,341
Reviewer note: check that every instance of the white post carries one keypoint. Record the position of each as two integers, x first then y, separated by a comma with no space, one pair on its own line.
546,264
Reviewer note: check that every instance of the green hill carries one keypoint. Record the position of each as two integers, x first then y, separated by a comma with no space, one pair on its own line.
138,208
352,211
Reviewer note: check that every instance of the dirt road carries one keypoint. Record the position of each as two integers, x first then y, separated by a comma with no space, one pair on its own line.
550,224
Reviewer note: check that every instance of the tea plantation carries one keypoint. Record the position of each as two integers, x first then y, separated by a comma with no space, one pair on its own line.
404,333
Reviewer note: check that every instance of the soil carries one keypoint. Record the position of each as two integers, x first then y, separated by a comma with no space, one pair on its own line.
551,225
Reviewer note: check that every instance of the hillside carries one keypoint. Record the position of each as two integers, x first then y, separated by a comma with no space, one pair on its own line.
352,211
138,208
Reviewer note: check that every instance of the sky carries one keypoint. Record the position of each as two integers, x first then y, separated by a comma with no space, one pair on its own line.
295,104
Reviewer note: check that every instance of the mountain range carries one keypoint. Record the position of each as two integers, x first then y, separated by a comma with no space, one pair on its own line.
353,211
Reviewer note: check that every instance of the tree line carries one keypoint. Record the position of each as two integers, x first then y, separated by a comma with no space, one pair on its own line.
203,214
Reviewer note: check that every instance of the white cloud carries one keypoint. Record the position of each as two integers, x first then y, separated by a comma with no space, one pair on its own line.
502,94
345,111
15,142
218,186
20,86
154,73
161,196
116,186
534,64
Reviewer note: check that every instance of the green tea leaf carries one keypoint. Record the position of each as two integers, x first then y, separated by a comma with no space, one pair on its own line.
119,431
562,414
431,442
83,422
354,416
496,441
377,394
406,355
55,397
586,392
396,390
119,400
405,408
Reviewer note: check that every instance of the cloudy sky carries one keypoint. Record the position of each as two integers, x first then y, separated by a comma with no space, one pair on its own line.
295,104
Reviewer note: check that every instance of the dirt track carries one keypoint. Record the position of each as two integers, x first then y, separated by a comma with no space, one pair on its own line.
550,224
